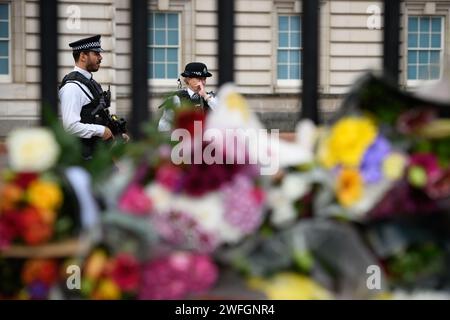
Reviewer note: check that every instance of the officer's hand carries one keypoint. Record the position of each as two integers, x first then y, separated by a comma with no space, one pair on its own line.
107,134
125,137
202,92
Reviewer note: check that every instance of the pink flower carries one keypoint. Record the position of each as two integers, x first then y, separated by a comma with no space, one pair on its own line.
428,161
134,200
439,188
178,275
126,272
169,176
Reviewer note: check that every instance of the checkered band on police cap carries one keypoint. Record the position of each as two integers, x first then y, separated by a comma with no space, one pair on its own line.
87,44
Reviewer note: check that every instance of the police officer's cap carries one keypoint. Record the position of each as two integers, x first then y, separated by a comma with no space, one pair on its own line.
87,44
196,70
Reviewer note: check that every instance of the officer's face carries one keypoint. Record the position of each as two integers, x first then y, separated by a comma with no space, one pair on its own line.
93,60
196,84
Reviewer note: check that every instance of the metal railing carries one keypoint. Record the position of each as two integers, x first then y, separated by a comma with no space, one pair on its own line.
140,91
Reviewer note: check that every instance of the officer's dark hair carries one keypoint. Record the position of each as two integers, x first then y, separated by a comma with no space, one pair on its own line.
76,55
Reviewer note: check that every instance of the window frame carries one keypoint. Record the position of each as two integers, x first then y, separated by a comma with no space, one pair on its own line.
417,82
166,81
288,84
6,78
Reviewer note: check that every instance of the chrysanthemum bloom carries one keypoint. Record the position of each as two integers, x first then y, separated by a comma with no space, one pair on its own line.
349,187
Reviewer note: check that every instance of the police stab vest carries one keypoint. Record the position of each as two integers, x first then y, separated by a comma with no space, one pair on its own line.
88,144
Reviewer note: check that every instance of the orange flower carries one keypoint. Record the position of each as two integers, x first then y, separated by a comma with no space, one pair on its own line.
10,194
44,270
349,187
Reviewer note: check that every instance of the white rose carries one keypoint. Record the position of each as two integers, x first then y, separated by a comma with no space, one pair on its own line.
32,149
161,197
295,185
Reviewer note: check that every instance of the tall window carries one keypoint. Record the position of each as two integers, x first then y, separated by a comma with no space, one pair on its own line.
164,44
289,57
4,39
425,47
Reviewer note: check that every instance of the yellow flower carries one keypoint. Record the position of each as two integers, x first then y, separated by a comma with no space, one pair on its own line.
289,286
394,166
349,187
95,264
107,290
348,141
45,195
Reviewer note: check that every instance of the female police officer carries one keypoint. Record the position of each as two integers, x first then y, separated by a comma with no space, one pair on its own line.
194,76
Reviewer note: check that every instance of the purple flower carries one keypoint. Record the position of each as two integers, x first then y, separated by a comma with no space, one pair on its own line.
243,206
371,166
38,290
181,230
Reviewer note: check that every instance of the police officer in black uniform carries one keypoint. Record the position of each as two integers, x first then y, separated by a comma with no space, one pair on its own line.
194,93
84,104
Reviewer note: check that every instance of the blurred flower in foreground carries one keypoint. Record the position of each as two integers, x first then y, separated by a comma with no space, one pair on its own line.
32,149
289,286
178,275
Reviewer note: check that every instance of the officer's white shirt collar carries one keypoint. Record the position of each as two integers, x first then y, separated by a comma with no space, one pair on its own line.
189,90
85,73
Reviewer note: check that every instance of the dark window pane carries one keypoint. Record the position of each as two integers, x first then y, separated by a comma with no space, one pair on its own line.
172,70
435,57
412,40
4,52
160,38
282,56
423,72
424,57
424,24
173,38
412,57
283,39
412,73
160,72
4,29
436,24
295,39
295,71
294,56
413,25
172,55
295,23
160,55
424,40
435,40
172,20
282,72
160,21
283,23
4,68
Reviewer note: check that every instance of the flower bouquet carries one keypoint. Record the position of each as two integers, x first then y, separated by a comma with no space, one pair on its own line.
41,216
386,161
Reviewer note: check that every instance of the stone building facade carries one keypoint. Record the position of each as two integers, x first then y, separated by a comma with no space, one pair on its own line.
267,49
